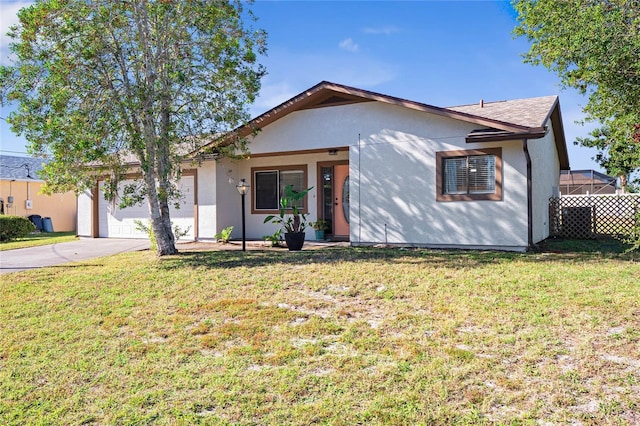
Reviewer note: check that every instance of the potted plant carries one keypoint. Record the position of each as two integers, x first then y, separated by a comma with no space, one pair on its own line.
291,218
320,226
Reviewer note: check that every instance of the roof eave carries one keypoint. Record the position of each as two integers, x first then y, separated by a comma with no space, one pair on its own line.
535,133
307,99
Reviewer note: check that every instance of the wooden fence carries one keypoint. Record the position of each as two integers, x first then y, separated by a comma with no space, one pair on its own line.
592,216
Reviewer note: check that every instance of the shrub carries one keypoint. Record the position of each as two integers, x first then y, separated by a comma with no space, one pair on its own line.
148,229
275,238
633,239
14,227
225,235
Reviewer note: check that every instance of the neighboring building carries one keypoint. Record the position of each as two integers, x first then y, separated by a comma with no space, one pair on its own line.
19,194
581,182
383,170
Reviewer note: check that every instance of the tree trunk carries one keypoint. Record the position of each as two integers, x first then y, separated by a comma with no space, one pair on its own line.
623,183
159,213
161,224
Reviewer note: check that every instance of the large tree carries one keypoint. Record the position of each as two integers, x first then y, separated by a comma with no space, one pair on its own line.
100,83
594,46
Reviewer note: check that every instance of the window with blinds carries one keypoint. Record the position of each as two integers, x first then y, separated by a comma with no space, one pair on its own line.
269,186
469,175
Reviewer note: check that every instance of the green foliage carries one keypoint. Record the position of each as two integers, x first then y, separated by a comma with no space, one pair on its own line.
594,46
225,235
105,83
147,229
14,227
617,153
275,239
319,225
291,217
178,232
633,239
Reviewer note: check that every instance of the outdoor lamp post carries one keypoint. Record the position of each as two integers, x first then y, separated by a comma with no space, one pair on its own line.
242,188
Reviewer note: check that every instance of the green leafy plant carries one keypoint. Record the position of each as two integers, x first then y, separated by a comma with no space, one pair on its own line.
147,228
319,225
291,218
14,227
178,232
633,239
225,235
275,239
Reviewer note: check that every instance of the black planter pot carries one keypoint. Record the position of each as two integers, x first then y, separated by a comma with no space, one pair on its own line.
295,240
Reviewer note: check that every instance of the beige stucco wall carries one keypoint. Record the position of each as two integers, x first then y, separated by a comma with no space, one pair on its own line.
61,208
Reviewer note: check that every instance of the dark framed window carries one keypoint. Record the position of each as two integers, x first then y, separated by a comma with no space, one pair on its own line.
268,185
469,175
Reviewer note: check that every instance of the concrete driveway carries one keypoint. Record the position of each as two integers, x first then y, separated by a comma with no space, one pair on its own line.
58,254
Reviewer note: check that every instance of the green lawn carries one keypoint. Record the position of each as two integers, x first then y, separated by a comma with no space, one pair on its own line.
336,336
39,239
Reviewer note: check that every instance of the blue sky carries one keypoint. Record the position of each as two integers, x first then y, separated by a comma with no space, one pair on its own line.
442,53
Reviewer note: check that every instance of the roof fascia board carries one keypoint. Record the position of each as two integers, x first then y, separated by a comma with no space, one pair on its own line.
558,132
500,137
305,99
427,108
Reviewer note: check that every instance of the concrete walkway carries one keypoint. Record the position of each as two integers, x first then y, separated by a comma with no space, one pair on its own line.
57,254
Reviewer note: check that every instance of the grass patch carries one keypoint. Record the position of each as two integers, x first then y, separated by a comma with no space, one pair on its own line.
336,336
39,239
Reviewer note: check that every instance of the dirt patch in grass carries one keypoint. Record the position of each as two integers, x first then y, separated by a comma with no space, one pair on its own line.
329,336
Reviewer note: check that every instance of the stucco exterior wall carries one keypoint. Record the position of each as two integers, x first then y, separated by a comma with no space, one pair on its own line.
393,176
319,128
545,172
61,208
394,186
229,200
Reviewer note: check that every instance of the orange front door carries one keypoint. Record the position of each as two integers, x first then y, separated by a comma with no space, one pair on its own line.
341,200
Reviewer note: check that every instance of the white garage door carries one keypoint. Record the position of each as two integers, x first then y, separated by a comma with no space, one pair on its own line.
120,223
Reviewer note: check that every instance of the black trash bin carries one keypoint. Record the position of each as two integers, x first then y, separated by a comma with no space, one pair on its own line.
36,219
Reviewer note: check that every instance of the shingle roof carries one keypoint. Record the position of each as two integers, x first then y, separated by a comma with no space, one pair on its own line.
19,168
530,112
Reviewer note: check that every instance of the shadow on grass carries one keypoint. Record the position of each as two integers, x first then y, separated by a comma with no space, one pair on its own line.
573,251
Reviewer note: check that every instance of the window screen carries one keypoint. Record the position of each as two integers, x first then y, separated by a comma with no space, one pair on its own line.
270,187
266,190
295,178
469,175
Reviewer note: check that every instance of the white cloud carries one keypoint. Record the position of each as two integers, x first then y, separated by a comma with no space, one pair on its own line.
386,30
8,17
349,45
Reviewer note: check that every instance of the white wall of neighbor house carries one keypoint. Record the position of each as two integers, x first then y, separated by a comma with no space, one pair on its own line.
393,185
545,171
